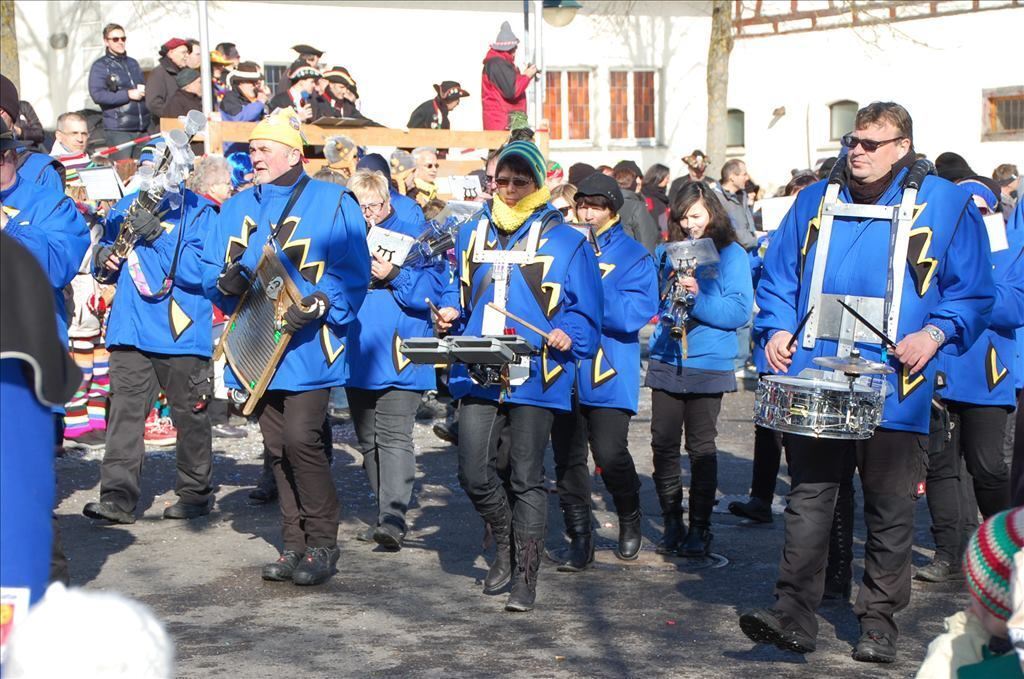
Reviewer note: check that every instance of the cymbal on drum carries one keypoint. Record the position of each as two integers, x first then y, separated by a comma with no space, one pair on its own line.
853,365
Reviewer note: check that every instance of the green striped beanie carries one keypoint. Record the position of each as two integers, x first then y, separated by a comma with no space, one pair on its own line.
529,152
989,559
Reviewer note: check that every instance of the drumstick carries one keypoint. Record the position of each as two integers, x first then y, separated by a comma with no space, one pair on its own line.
799,329
525,324
433,308
885,340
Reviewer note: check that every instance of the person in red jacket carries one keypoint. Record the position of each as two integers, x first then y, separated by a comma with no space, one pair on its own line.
502,86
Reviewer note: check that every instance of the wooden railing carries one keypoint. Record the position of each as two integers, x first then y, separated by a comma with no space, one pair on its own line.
467,147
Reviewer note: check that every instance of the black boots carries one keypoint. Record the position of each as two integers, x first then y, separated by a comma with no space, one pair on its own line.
630,538
703,483
500,571
839,571
670,496
581,540
524,581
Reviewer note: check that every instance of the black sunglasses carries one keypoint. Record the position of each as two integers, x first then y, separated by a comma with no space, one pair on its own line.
118,38
869,145
517,182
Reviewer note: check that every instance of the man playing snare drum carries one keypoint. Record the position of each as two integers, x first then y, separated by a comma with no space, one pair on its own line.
921,275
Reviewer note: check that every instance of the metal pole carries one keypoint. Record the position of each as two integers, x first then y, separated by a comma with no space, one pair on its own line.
204,68
526,40
538,61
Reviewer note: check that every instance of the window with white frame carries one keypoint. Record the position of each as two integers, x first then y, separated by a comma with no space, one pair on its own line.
841,116
567,104
633,104
735,128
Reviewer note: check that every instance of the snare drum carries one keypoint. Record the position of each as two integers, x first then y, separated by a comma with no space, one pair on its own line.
818,408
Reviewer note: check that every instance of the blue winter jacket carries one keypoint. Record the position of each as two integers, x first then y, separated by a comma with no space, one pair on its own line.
322,245
179,322
39,168
110,78
49,225
391,314
561,288
948,281
723,304
629,283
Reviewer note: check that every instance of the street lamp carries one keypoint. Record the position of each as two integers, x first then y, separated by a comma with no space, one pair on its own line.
560,13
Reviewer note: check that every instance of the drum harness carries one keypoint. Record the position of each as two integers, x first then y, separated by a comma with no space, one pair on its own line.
832,321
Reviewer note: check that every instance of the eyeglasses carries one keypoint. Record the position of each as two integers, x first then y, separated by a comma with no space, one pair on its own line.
371,207
431,166
118,38
489,178
517,182
869,145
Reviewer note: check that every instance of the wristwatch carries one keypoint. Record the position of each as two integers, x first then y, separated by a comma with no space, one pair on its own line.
935,334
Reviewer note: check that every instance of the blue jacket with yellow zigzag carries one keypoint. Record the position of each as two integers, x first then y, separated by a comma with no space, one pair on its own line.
561,288
181,321
948,281
391,314
322,239
629,282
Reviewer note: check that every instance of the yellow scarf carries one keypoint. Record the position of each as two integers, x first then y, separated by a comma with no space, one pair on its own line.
611,222
508,219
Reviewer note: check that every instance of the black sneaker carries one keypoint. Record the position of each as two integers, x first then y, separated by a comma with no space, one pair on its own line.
768,626
282,569
261,495
108,512
90,439
228,431
388,536
754,509
447,432
939,570
875,646
366,535
316,565
182,510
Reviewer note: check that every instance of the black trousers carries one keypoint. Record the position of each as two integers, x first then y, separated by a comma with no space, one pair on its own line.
1017,468
525,431
607,432
675,417
135,379
975,446
767,459
292,427
892,467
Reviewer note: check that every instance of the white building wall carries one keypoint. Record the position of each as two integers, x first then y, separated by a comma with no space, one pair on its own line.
937,67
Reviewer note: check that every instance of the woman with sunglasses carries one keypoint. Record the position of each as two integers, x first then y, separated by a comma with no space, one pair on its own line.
688,375
521,257
608,385
384,388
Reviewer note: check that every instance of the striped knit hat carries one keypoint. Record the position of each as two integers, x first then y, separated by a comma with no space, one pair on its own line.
989,557
529,152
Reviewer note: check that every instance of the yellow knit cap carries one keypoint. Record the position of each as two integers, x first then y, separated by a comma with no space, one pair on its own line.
282,126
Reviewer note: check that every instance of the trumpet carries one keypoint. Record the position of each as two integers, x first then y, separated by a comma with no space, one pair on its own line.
174,160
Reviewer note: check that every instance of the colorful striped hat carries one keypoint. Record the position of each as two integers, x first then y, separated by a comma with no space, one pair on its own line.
529,152
989,558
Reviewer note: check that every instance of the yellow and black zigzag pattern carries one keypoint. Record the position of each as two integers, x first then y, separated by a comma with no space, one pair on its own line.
550,374
297,251
397,357
177,320
599,376
238,244
907,384
331,353
548,295
995,371
811,238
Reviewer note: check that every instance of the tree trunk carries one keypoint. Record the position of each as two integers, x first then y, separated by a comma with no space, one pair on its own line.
9,43
718,82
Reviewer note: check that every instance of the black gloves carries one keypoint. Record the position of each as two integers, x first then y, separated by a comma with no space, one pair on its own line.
146,225
309,309
233,280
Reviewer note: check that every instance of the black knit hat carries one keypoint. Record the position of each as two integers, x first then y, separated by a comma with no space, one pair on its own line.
600,184
580,171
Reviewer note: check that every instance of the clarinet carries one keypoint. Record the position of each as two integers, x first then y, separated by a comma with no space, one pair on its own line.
175,158
682,300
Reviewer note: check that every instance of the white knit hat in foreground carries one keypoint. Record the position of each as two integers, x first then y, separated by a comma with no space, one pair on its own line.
89,635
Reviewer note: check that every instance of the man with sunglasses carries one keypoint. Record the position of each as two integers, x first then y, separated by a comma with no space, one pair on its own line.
118,87
910,252
424,177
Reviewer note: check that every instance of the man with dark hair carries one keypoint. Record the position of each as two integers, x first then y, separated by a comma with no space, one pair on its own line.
732,193
230,52
635,219
909,249
117,86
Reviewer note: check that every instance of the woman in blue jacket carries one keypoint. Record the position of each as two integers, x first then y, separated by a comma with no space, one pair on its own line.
688,375
384,387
